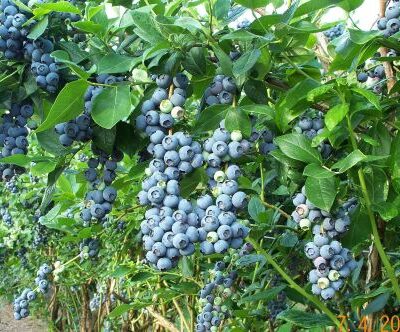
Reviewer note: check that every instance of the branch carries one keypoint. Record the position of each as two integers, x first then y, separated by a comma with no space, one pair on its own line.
391,80
162,321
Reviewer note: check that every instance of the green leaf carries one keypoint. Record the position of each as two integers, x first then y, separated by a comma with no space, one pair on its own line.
211,117
319,91
250,260
221,8
112,105
59,6
225,61
255,207
362,37
236,119
104,139
335,115
240,35
68,105
349,161
246,62
42,168
190,182
113,63
39,28
288,240
120,310
305,319
298,147
195,61
321,192
376,304
264,110
49,141
312,5
16,159
146,26
88,26
253,4
317,171
266,295
370,96
386,210
256,91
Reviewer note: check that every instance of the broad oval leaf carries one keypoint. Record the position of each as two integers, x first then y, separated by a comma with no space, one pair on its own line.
236,119
298,147
112,105
321,191
68,104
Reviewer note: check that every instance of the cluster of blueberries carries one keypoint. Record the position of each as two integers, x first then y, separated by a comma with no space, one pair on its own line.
221,91
89,248
11,185
43,66
165,107
220,229
6,216
390,23
224,146
278,304
311,126
99,199
376,73
213,308
98,299
332,262
21,303
13,32
334,32
80,128
266,138
170,226
13,137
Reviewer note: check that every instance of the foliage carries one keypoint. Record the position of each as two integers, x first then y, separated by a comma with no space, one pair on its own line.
301,118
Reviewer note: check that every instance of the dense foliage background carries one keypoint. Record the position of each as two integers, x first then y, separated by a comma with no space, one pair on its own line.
297,151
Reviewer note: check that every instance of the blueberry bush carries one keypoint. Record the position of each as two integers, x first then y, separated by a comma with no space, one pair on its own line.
199,165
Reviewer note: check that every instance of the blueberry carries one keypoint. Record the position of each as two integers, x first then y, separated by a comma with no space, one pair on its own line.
177,100
163,81
109,194
180,241
229,84
164,264
206,248
181,81
239,200
225,98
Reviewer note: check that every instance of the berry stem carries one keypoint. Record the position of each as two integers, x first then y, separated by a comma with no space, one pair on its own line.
271,206
375,234
319,304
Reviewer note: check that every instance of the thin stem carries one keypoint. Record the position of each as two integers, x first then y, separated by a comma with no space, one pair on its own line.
375,234
271,206
294,285
298,69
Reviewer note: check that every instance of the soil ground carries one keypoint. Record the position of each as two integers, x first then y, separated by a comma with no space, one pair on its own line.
9,324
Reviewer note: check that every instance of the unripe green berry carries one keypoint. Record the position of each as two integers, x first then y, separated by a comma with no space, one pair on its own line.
305,224
236,135
166,106
217,301
219,176
212,237
323,283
